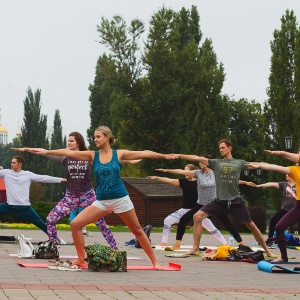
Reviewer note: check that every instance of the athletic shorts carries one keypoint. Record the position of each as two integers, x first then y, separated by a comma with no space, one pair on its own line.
117,206
236,208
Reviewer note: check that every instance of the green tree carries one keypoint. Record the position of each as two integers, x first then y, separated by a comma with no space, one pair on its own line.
34,131
54,191
282,107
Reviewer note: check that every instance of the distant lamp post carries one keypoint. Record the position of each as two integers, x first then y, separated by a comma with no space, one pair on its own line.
288,140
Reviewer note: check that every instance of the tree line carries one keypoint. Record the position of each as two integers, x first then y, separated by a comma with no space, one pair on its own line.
159,87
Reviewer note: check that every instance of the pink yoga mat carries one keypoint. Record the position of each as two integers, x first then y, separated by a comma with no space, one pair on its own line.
170,267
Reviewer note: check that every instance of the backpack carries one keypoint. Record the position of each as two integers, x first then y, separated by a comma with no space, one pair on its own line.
147,230
47,250
100,257
245,253
25,248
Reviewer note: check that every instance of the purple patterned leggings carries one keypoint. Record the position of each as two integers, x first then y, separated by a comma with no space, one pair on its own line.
68,204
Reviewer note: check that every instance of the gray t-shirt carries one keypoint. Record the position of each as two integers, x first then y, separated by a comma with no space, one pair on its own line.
206,186
288,201
227,173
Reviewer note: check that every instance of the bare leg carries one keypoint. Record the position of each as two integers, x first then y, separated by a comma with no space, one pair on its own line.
131,220
89,215
197,232
259,238
177,245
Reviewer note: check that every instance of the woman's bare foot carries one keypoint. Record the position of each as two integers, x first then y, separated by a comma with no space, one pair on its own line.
157,266
79,262
271,254
162,244
277,260
193,252
175,247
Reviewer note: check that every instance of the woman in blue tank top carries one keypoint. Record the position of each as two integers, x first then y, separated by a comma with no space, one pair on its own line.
111,192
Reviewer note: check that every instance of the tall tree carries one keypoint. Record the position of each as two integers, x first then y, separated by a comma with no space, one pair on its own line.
34,131
282,107
101,97
55,192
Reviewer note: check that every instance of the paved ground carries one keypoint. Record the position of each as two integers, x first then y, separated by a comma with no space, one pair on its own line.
197,280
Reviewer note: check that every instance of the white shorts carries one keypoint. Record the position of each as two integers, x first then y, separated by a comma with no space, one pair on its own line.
117,206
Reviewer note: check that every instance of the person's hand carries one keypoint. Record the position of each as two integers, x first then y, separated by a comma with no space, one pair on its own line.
64,180
252,165
249,183
39,151
161,170
275,153
151,177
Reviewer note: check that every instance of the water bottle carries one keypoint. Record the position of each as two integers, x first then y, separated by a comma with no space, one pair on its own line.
231,240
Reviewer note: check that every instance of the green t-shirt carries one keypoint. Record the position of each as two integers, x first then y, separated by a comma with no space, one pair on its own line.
227,174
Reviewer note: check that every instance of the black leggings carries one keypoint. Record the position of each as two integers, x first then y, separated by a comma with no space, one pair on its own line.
187,217
289,219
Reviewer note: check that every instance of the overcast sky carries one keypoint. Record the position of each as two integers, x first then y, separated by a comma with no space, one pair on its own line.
52,45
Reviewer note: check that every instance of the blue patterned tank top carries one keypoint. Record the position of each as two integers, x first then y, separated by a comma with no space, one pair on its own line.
109,183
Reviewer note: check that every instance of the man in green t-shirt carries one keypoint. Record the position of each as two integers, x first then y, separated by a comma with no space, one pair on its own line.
229,201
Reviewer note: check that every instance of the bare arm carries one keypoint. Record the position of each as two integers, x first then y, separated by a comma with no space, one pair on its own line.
178,171
268,184
36,150
269,167
294,157
174,182
80,155
132,161
199,159
133,155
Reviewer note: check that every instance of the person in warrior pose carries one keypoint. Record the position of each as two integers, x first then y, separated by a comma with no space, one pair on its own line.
111,192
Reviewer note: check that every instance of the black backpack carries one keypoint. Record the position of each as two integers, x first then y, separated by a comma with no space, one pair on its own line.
46,250
147,230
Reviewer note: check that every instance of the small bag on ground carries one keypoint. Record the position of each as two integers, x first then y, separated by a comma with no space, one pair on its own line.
25,248
245,253
147,230
46,250
100,257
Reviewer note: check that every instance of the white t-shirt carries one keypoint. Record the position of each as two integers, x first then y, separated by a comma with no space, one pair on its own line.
18,185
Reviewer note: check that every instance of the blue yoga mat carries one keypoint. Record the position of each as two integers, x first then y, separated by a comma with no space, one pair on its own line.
273,268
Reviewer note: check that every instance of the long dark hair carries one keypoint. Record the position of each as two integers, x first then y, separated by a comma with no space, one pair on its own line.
80,140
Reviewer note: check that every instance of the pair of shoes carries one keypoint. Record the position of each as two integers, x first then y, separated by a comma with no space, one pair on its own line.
67,266
61,241
54,264
130,243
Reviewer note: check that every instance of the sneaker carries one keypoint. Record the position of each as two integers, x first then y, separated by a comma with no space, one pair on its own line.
85,233
130,243
61,241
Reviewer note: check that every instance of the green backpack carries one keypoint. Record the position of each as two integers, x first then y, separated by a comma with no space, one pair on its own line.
100,257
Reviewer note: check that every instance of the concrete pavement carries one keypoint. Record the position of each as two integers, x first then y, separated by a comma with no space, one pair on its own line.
197,280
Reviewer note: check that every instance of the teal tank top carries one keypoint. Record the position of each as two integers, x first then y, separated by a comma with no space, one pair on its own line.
109,183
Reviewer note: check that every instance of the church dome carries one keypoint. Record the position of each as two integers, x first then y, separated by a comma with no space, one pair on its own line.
3,129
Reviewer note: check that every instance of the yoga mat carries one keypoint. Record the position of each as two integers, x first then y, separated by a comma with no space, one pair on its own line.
74,256
170,267
272,268
294,247
183,248
177,255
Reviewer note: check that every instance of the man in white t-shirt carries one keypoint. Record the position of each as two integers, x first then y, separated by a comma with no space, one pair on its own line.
17,184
